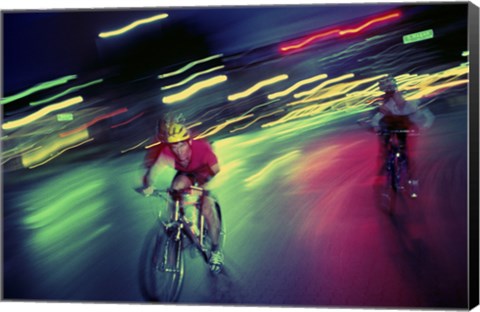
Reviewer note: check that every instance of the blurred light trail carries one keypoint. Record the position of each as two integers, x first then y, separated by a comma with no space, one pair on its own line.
351,50
194,89
135,146
189,65
262,174
152,145
258,106
335,32
194,125
66,92
39,87
433,90
307,111
15,154
94,121
132,26
465,53
320,86
309,40
256,87
255,120
42,112
426,85
35,156
337,90
373,21
128,121
296,86
215,129
186,80
60,153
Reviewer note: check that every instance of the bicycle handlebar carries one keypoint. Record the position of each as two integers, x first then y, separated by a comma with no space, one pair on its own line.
408,131
173,193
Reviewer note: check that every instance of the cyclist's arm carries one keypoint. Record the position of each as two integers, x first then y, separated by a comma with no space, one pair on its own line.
422,114
376,120
150,175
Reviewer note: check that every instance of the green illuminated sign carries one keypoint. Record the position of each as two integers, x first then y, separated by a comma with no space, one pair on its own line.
419,36
65,117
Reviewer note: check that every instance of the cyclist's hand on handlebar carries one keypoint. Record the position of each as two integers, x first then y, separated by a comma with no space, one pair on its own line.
148,191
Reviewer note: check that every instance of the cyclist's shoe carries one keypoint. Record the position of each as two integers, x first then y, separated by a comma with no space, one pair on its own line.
413,188
216,262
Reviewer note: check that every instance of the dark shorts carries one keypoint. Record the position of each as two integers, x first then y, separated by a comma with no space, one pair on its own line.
189,175
396,123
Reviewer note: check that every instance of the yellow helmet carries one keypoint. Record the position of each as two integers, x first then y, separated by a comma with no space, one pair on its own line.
177,132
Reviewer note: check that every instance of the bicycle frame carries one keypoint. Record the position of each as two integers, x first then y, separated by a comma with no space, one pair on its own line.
180,225
397,160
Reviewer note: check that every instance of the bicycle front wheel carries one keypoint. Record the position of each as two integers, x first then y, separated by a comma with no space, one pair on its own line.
165,268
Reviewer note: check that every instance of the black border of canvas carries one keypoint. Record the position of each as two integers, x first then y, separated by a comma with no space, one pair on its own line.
473,15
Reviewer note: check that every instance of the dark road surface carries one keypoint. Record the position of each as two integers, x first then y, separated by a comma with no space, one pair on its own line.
308,232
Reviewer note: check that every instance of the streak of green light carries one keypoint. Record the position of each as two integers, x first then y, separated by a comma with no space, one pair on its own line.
38,87
189,65
66,92
193,76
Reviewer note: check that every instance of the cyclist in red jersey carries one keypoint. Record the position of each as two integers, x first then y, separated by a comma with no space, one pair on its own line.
196,163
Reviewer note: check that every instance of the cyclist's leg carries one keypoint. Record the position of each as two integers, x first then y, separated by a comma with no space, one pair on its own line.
214,227
384,145
212,219
181,181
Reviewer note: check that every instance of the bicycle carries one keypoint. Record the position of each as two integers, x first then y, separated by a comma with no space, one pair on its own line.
397,168
164,269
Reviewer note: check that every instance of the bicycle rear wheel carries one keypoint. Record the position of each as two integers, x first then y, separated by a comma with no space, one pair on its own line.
165,268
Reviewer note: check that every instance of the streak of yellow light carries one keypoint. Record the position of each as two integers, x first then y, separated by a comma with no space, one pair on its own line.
296,86
193,89
35,156
134,147
255,120
42,112
193,76
152,145
60,153
189,65
323,84
256,87
215,129
132,25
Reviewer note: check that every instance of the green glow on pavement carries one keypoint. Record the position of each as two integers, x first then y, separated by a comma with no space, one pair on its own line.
268,169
